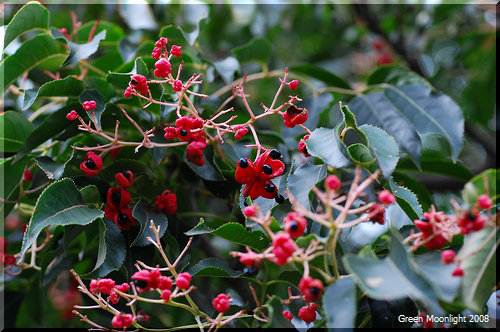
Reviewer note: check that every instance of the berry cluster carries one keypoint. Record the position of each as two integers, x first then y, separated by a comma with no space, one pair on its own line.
189,129
117,201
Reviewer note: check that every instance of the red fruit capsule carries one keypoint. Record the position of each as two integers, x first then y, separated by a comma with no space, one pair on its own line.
72,115
221,303
295,224
176,51
447,256
124,179
386,197
332,182
287,314
92,164
293,84
484,202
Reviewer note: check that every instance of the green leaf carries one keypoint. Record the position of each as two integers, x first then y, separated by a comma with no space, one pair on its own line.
32,16
14,129
25,58
325,144
123,165
257,49
301,181
393,277
59,204
274,309
111,254
321,74
409,112
174,34
90,194
476,186
52,169
233,232
383,146
406,200
67,87
121,80
213,267
83,51
395,75
478,260
439,275
360,154
10,178
339,303
113,32
208,171
145,217
226,68
51,126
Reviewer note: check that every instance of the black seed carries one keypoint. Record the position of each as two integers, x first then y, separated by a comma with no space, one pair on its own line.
90,164
275,154
116,197
183,132
126,175
243,163
305,151
267,169
279,199
122,219
250,271
141,283
134,82
472,216
424,219
314,291
270,188
245,202
294,226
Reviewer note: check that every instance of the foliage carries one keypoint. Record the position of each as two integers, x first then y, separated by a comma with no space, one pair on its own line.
388,101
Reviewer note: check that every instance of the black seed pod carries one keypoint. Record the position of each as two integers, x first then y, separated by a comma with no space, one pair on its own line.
279,199
270,188
90,164
267,169
243,163
275,154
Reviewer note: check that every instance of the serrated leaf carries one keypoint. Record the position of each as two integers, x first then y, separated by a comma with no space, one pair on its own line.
14,129
321,74
67,87
257,49
395,75
234,232
324,144
174,34
25,58
360,154
80,52
10,178
90,194
301,181
340,302
145,217
383,146
52,169
213,267
409,112
478,260
111,254
476,186
50,127
59,204
393,277
32,16
407,200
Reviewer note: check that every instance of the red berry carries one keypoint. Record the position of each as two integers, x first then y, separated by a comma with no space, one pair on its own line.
332,182
105,285
384,59
240,132
194,152
484,202
92,164
283,247
295,224
386,197
183,280
143,280
163,68
72,115
308,314
294,116
89,105
162,42
124,179
378,44
250,211
164,283
169,133
311,288
27,176
302,146
123,287
156,54
221,303
293,84
122,321
166,202
165,295
377,213
458,272
117,198
287,314
176,51
140,83
447,256
7,259
177,85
